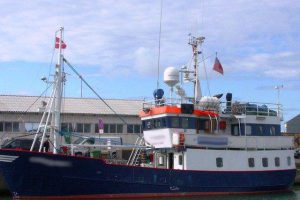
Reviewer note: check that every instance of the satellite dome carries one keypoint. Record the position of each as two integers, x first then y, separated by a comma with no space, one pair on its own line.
171,76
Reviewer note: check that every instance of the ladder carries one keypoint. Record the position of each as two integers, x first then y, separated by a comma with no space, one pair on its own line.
136,151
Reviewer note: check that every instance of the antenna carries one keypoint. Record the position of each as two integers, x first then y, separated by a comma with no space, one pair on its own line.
278,88
195,42
158,59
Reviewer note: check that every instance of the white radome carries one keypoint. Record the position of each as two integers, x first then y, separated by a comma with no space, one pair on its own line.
171,76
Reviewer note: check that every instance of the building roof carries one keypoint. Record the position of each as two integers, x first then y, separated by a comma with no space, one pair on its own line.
294,119
31,104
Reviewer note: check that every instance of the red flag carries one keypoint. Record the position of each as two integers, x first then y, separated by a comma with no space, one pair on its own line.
63,45
218,67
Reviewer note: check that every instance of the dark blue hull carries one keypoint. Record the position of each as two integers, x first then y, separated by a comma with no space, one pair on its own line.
30,174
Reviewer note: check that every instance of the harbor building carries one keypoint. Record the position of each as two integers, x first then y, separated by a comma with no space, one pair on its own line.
293,129
293,125
21,115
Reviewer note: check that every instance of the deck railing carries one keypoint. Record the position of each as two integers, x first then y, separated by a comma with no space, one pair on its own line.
234,107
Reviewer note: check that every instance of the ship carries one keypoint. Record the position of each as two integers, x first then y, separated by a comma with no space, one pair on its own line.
190,146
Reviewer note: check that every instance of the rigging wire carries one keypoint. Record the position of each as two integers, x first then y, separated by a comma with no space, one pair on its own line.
44,92
206,77
89,86
158,59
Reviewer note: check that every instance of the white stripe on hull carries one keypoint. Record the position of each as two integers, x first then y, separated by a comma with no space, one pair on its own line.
5,158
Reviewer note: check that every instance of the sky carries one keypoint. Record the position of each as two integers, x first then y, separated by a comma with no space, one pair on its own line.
114,45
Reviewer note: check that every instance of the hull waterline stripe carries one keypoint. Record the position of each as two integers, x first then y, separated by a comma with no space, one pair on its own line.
148,195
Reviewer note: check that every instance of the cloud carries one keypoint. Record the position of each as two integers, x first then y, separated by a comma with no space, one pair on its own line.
144,62
281,65
122,36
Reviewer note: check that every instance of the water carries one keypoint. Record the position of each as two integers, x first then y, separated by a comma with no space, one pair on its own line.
293,195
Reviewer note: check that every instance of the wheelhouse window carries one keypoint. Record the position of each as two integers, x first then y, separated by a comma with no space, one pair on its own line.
163,122
219,162
277,162
272,130
185,122
157,123
251,162
265,162
260,130
248,130
174,122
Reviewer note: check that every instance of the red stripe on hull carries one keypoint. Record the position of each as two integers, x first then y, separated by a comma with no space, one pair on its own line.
146,195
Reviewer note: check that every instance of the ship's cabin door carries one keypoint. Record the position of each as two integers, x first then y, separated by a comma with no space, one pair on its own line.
178,160
170,160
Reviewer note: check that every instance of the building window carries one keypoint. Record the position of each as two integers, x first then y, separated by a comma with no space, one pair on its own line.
16,127
8,126
83,128
219,162
1,126
251,162
96,128
79,127
112,128
180,160
31,127
289,161
119,128
87,128
277,162
137,128
130,127
265,162
134,128
106,128
66,127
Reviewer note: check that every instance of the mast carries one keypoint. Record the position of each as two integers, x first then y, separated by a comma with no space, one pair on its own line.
53,106
195,42
58,94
